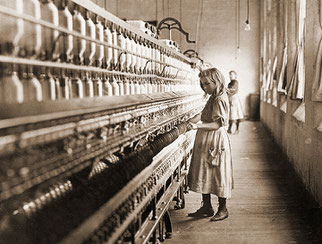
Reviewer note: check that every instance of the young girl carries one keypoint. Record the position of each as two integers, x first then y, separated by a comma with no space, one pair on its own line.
236,112
211,165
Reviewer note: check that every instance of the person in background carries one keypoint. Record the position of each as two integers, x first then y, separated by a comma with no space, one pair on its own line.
211,164
236,112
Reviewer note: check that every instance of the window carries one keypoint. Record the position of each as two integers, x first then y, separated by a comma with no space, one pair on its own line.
282,77
299,113
273,86
284,106
297,83
317,82
267,79
271,83
319,128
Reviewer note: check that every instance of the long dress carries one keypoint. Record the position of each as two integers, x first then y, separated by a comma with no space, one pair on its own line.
236,111
205,177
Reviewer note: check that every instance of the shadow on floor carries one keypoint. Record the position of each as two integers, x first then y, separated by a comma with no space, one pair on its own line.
269,204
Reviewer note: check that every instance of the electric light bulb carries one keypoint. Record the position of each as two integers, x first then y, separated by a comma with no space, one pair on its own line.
247,26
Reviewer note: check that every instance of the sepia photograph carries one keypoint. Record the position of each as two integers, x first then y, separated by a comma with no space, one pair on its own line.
161,121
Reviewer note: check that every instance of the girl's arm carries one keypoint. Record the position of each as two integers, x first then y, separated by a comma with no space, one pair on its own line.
196,118
206,126
233,88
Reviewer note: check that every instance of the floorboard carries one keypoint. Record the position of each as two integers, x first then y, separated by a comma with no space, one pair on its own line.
268,204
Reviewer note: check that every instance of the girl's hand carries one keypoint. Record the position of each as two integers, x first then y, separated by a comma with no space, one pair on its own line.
193,126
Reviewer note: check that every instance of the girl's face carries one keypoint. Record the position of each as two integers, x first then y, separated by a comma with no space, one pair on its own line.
208,85
232,76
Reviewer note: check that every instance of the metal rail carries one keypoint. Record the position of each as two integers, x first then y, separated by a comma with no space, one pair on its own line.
93,223
64,165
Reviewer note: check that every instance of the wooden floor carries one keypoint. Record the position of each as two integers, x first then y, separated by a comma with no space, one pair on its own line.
268,204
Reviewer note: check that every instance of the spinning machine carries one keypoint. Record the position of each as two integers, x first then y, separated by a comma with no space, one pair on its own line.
93,126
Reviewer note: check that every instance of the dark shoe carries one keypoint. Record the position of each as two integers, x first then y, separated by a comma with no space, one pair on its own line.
220,215
202,212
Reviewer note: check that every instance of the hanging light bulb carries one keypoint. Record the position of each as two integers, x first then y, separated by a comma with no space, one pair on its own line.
247,25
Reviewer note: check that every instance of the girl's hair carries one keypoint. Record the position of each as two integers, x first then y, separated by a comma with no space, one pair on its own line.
202,86
215,76
233,72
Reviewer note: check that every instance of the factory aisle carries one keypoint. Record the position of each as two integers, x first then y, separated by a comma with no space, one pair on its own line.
268,205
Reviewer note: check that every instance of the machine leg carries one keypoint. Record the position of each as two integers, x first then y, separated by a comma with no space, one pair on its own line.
168,225
183,202
154,209
161,231
154,237
185,184
132,234
180,199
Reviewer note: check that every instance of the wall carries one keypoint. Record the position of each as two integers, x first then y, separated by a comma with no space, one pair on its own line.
301,142
216,41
